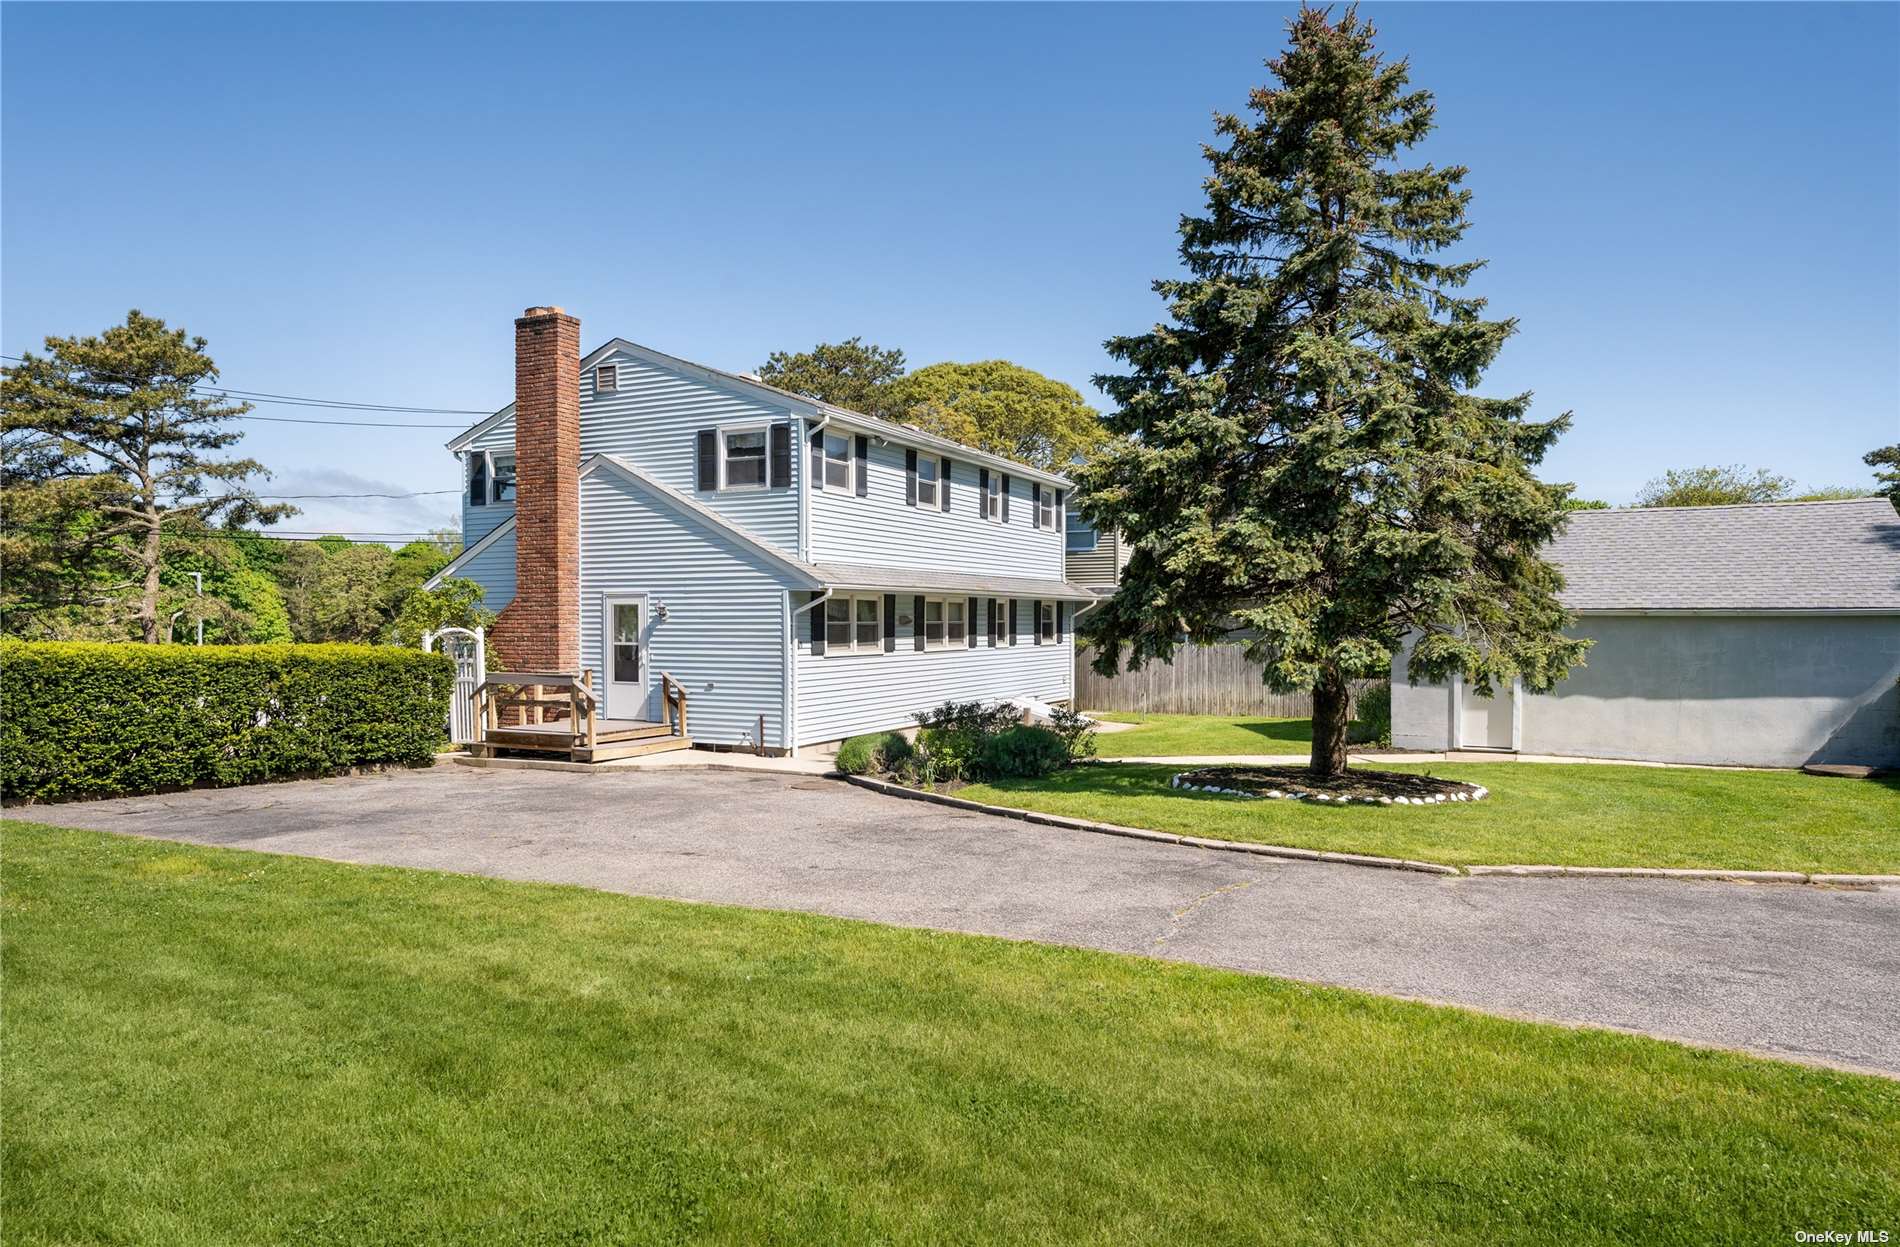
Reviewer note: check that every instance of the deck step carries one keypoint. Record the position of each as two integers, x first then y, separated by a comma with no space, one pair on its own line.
605,752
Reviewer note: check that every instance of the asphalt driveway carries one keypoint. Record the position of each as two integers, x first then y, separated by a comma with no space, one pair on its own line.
1802,972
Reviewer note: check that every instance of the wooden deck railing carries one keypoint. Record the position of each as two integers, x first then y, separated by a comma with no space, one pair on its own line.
525,691
673,696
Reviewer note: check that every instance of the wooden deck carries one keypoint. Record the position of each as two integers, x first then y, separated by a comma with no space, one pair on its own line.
568,722
613,738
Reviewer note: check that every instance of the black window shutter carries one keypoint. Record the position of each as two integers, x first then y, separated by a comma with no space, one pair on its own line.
943,484
1035,504
864,465
910,478
1058,623
1060,520
817,458
817,614
1035,620
1011,608
983,492
708,459
969,623
917,622
1006,498
890,619
477,478
781,456
991,629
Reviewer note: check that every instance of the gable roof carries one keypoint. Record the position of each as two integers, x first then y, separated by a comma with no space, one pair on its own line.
455,564
752,387
1767,557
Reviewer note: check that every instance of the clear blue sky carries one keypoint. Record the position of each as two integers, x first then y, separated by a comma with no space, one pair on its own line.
1691,209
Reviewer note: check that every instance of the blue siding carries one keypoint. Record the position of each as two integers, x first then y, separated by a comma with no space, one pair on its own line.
843,694
652,420
882,530
724,635
494,570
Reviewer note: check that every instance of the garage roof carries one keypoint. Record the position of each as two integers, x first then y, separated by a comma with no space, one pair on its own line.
1778,556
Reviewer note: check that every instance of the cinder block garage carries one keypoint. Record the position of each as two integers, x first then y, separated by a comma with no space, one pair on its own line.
1761,635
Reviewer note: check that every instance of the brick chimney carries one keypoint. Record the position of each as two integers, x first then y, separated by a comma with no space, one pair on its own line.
540,629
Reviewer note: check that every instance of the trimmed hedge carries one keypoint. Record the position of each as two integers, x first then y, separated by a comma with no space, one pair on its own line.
873,751
90,719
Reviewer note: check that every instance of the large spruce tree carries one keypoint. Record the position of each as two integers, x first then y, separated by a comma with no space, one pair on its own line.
1305,465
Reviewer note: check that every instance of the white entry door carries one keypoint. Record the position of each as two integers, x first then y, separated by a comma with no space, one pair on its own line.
1486,722
623,651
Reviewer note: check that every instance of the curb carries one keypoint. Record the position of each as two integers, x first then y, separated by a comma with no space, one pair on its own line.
1361,859
1138,833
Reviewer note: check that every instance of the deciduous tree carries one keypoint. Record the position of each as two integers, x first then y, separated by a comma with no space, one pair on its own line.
1305,462
1714,487
1003,408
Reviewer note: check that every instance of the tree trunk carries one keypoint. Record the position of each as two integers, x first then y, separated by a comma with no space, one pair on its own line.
148,594
1332,711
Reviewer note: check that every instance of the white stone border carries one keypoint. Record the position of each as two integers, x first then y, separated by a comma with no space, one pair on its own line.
1479,792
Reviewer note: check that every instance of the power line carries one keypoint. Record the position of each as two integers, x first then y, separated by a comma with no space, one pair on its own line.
360,424
295,400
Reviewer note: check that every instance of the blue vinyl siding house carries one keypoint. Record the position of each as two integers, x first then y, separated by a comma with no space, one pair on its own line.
806,572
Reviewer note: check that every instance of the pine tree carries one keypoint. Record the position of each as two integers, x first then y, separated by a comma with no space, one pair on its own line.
1304,463
106,443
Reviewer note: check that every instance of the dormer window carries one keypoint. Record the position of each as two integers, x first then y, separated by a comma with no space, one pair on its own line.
606,378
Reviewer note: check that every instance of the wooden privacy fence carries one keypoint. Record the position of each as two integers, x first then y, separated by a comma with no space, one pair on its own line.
1202,679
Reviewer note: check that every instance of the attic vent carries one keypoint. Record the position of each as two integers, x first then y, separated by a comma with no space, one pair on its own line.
606,378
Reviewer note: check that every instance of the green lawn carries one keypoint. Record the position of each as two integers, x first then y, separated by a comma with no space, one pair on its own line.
1184,735
1581,815
214,1047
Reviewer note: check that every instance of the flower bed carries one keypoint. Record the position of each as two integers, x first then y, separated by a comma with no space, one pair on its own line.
1296,783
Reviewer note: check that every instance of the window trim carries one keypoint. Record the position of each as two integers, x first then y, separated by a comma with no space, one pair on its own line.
725,431
999,621
1048,617
491,484
850,646
1046,510
962,607
993,497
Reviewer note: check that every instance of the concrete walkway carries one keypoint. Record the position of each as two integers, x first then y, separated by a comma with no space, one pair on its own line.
1802,972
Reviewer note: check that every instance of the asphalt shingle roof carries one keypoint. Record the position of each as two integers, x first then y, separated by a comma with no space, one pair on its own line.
1770,556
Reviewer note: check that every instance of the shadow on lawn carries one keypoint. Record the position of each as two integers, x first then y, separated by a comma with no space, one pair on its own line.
1292,731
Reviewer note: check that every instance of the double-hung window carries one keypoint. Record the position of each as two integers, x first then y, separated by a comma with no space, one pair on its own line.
837,461
999,620
1047,624
926,481
933,623
993,496
1046,507
1080,538
491,478
854,625
742,459
956,625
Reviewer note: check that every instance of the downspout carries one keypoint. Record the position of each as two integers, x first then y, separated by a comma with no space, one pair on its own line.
791,667
804,485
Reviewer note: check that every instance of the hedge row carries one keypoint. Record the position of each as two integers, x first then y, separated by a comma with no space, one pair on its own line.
85,719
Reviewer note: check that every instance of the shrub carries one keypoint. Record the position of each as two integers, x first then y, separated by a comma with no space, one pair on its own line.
874,751
94,719
1372,718
1076,730
970,716
947,754
1022,752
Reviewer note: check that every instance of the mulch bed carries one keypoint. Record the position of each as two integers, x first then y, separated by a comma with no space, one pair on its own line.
1296,783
